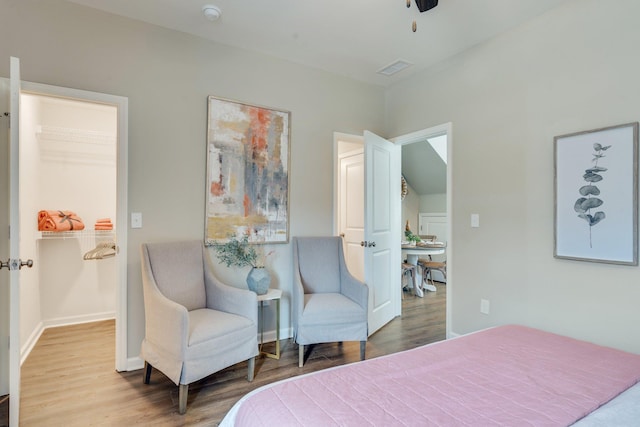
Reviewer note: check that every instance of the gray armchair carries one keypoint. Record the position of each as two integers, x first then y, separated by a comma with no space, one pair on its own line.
329,304
194,324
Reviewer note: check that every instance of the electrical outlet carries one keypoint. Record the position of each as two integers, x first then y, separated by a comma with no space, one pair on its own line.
484,306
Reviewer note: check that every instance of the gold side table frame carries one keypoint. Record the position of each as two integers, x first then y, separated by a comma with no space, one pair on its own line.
271,295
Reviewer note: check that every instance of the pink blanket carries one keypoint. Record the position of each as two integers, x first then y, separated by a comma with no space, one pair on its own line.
507,376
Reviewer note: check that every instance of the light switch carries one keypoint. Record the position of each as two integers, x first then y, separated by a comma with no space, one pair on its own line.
136,220
475,220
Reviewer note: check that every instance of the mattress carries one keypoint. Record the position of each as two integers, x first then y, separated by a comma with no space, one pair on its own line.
508,375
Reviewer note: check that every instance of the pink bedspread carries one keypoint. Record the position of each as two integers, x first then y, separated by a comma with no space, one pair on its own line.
508,376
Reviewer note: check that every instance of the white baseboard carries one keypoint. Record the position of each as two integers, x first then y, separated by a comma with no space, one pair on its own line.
31,342
135,363
75,320
26,349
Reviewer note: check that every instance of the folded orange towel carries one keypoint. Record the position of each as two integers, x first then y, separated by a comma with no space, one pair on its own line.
103,227
59,221
103,221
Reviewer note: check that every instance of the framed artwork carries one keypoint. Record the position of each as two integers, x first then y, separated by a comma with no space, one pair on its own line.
596,195
247,172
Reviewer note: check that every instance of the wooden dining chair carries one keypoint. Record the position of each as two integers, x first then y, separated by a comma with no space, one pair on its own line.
407,269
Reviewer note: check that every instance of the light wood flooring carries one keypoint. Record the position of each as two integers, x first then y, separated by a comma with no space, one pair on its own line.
69,377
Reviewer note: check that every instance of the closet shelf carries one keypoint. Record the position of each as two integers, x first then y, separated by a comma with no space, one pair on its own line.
46,235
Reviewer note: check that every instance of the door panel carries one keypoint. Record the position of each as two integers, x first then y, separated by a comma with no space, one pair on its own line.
4,239
14,246
382,229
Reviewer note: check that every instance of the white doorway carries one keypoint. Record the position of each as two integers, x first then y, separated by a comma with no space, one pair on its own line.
366,170
440,132
346,148
121,105
65,102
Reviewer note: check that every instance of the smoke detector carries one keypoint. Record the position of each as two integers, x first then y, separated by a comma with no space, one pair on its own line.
211,12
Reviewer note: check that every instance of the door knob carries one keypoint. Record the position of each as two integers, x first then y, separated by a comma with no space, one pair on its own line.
16,264
28,263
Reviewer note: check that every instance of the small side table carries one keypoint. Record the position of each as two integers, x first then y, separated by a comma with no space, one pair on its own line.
272,294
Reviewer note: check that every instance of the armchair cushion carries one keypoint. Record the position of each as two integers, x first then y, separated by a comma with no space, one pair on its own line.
215,328
331,309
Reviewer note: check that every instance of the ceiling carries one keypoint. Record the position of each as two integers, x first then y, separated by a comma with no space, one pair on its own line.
424,169
355,38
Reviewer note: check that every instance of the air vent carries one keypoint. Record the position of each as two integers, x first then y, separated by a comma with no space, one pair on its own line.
394,67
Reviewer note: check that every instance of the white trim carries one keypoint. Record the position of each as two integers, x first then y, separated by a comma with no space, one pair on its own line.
122,105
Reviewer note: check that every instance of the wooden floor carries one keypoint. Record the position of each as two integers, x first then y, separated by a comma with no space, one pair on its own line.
69,377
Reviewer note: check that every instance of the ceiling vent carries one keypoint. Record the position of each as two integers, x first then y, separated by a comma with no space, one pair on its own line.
394,67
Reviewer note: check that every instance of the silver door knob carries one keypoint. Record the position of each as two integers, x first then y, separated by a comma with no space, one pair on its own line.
16,264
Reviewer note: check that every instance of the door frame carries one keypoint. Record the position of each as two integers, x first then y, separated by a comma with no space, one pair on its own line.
421,135
121,103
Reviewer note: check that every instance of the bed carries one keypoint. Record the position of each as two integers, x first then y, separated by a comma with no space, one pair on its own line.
508,375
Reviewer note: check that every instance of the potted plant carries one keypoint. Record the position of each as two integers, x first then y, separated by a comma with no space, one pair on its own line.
408,234
240,253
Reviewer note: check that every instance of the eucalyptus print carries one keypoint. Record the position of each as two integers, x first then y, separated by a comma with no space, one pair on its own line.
590,192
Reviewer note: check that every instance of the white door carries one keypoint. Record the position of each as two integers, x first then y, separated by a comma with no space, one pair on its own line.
382,229
14,262
351,210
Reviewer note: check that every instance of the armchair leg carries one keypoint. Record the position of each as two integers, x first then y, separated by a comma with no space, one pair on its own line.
300,355
147,372
182,398
252,368
363,347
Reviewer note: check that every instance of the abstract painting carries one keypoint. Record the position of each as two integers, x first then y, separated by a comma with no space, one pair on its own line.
596,195
247,172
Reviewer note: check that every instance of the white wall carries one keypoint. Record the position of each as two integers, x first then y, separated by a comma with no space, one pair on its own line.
433,203
572,69
167,77
410,210
77,172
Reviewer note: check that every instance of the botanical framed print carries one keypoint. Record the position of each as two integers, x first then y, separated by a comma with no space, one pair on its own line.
596,195
247,188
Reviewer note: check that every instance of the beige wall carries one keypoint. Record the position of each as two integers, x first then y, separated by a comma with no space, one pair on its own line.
167,77
575,68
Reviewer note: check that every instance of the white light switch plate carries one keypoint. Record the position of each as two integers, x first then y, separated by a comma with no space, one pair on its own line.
475,220
136,220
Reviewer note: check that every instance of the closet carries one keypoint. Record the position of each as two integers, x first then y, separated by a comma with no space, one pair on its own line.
68,162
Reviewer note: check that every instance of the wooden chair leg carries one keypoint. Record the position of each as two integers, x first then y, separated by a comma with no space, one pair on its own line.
147,372
363,347
252,368
182,398
300,355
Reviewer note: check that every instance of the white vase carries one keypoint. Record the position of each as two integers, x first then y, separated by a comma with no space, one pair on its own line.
259,280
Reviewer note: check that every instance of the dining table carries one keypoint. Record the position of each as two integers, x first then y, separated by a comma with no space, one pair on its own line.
415,252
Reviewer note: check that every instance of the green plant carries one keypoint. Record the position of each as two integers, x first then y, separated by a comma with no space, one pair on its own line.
589,192
238,253
412,237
